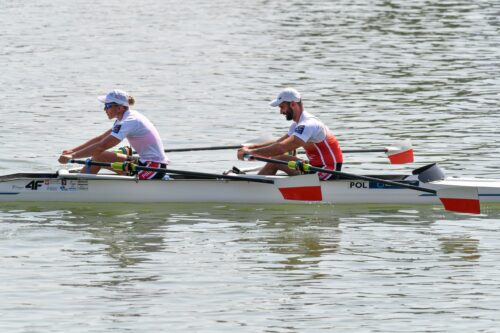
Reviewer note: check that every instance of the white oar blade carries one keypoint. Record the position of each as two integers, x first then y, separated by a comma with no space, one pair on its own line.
460,199
401,154
300,188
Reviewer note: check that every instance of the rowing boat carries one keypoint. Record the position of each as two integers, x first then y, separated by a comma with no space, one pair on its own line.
188,186
64,186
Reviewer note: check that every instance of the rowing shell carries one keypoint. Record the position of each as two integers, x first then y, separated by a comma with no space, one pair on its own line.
74,187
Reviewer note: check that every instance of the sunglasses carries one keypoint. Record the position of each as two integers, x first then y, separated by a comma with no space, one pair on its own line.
109,105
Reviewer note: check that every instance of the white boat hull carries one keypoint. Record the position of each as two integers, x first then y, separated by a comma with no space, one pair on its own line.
110,188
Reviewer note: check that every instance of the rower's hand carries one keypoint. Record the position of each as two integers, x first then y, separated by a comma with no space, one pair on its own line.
67,152
242,152
64,158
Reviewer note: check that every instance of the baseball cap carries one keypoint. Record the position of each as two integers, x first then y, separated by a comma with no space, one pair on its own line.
115,96
286,95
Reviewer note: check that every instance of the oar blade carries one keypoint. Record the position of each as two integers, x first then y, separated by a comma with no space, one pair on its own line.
402,157
300,188
460,199
401,154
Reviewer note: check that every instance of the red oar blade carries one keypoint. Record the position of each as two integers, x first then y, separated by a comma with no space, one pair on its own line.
301,188
460,199
401,154
401,157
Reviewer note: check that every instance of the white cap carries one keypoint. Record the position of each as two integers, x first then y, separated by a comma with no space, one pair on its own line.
286,95
115,96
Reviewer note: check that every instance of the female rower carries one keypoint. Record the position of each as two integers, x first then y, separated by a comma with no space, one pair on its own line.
130,124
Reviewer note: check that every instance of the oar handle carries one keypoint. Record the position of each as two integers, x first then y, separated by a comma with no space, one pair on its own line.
89,162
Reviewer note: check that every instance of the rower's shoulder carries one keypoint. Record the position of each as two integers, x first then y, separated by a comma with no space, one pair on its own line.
133,115
309,118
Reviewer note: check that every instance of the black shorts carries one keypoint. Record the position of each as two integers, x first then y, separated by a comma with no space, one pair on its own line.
145,174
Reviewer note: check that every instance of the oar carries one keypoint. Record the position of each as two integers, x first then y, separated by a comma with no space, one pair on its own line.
459,199
175,150
127,166
248,142
303,188
128,151
398,154
401,153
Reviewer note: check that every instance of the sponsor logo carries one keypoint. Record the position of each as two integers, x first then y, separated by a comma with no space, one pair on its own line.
300,129
117,128
34,184
54,185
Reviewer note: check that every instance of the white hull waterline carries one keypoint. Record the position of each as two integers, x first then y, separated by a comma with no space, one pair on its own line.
74,187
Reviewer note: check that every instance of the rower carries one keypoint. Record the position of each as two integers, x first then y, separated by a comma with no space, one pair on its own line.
130,125
307,131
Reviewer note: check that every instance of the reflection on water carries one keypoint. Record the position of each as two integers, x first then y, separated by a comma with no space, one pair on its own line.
216,261
465,247
300,235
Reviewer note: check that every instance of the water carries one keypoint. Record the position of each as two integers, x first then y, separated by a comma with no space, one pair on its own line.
203,71
227,268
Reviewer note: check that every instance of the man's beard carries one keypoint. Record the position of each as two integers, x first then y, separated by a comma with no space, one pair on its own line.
289,113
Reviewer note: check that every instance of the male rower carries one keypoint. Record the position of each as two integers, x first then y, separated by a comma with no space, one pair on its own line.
307,131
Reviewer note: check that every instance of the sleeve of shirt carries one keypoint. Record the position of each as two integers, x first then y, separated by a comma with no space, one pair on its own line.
305,131
120,131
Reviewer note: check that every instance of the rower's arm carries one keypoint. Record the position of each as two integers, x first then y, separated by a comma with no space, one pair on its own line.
97,147
280,147
91,141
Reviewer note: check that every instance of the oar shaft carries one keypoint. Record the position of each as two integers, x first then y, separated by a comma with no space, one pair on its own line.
202,148
350,175
348,151
345,151
384,150
378,180
179,172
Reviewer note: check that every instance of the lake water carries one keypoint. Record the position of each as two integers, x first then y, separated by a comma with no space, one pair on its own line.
376,72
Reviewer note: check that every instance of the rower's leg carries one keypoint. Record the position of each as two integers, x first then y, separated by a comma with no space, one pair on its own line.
273,168
105,156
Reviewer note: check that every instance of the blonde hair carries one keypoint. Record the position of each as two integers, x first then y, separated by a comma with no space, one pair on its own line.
131,100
